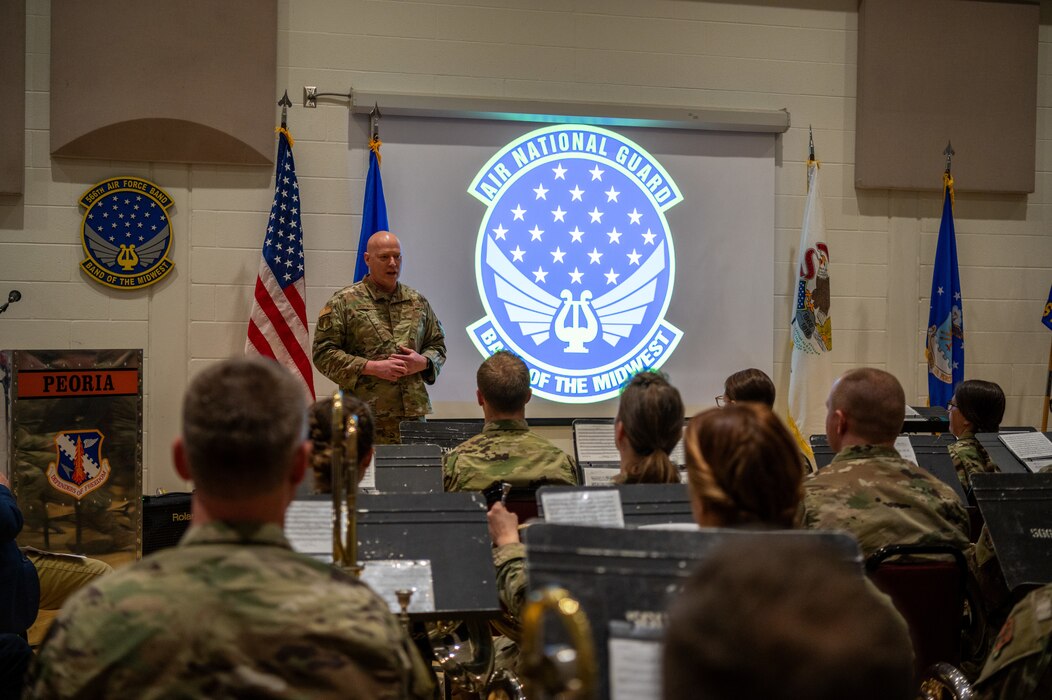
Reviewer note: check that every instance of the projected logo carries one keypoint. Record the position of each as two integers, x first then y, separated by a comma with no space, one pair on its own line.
574,261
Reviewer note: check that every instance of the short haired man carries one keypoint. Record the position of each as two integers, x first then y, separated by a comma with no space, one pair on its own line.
868,489
506,449
781,622
380,340
232,611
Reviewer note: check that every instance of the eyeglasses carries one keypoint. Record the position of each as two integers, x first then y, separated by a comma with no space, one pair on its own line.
722,400
952,405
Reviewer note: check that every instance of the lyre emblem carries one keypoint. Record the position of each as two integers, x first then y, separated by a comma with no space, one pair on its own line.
574,334
128,258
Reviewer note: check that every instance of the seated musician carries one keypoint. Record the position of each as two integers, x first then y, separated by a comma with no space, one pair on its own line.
976,407
1019,666
868,489
748,385
232,611
648,427
783,622
506,449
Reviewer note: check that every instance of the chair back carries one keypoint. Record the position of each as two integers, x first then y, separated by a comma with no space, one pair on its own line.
927,584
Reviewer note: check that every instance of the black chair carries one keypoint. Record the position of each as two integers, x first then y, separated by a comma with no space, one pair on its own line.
929,585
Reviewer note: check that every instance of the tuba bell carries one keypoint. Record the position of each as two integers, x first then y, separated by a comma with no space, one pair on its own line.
567,673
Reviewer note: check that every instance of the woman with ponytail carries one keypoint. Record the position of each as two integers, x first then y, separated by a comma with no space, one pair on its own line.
649,424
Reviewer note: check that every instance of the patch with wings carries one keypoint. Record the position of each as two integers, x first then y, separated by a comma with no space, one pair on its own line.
575,261
126,233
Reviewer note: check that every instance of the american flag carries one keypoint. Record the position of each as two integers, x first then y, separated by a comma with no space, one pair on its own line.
277,327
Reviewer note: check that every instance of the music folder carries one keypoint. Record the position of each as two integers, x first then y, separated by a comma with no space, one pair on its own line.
1018,513
408,469
641,504
632,575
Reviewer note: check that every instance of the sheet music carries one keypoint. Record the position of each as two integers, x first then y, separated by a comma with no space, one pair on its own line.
599,476
595,443
600,508
369,481
635,669
905,449
308,527
385,576
911,412
1034,450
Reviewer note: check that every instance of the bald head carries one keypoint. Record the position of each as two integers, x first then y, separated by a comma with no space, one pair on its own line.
383,257
866,406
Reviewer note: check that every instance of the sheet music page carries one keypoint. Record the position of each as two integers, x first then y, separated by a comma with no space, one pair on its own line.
905,448
1034,450
599,476
385,576
678,455
635,669
369,481
595,508
911,412
308,527
595,442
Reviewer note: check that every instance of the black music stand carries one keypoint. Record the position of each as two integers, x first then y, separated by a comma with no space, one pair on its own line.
1007,462
931,419
1018,513
641,504
408,469
632,574
448,529
445,434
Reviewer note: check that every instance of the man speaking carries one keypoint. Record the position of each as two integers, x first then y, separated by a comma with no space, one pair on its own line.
380,340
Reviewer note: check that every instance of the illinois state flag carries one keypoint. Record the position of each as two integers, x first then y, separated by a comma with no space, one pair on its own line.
945,342
374,208
277,327
811,327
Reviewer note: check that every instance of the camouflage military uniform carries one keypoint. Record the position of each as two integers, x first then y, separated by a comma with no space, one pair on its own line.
232,612
1020,665
882,499
969,457
506,450
362,323
510,561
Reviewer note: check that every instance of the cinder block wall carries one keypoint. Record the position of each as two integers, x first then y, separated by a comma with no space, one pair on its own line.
797,55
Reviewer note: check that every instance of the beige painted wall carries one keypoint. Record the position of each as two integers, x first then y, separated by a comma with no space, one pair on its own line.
797,54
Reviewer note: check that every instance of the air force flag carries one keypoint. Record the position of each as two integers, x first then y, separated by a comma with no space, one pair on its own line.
574,261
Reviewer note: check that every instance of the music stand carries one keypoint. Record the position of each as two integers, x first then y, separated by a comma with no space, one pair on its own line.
1007,462
929,419
1018,513
445,434
408,469
641,504
634,574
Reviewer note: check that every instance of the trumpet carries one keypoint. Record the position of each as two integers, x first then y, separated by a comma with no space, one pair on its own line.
344,487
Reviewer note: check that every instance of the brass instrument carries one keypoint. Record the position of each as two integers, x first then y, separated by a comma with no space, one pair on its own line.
944,681
570,673
344,487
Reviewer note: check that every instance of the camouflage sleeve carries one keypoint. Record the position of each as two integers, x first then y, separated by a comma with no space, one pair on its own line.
331,346
571,474
510,560
449,470
432,344
967,460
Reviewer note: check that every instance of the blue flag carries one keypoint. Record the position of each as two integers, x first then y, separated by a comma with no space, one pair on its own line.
1047,318
945,346
374,210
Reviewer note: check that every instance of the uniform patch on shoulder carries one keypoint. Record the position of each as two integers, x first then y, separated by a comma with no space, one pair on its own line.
1004,637
325,319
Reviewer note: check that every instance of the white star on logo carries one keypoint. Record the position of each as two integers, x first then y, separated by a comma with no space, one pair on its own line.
557,255
576,234
597,173
519,212
558,214
595,255
575,276
612,195
615,236
501,232
541,192
633,257
635,216
535,233
576,193
517,254
560,172
597,216
539,275
648,237
611,277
